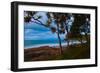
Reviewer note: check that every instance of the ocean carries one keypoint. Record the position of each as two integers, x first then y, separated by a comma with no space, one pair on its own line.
38,43
37,35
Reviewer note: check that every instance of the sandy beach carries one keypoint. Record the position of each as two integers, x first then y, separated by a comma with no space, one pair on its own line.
44,53
41,53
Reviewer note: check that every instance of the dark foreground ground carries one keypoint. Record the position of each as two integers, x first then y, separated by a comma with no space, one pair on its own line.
81,51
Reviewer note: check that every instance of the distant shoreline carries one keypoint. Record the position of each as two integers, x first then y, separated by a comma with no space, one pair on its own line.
53,45
50,45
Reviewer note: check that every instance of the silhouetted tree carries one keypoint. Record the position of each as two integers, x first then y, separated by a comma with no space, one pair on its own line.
80,26
57,17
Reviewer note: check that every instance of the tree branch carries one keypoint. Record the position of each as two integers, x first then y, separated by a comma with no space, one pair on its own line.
39,22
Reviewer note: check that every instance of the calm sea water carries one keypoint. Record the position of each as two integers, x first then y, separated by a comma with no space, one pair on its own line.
28,43
35,34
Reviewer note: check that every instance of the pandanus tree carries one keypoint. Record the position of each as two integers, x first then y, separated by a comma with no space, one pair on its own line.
80,26
75,30
85,28
58,19
63,21
68,25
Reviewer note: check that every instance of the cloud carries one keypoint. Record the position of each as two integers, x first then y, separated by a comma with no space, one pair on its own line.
43,15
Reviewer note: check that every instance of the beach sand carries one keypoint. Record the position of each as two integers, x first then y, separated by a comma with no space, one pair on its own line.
40,53
44,53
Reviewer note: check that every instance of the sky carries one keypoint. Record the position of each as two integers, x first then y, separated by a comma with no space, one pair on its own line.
34,31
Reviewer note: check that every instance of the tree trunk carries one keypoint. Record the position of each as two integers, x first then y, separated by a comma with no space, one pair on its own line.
59,39
67,40
81,38
67,34
86,36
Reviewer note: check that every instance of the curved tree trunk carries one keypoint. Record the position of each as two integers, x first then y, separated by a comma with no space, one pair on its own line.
59,39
